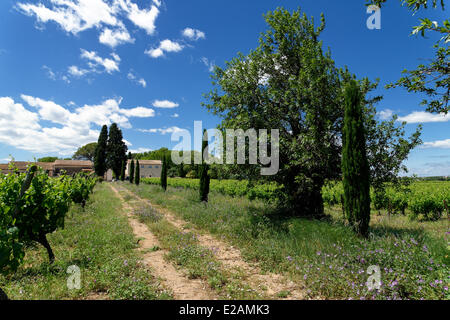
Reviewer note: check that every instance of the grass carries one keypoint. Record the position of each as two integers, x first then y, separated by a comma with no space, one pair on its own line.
326,255
199,262
101,243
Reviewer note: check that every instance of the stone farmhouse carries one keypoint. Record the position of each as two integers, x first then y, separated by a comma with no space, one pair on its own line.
52,168
148,168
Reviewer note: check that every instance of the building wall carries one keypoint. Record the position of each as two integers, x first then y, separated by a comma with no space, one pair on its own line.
147,170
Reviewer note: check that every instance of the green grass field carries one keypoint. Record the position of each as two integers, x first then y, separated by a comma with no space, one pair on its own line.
326,255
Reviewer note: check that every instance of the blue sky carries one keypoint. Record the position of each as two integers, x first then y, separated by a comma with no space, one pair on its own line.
68,66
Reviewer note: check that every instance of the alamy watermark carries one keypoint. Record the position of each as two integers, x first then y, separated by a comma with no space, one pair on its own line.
236,147
374,21
74,280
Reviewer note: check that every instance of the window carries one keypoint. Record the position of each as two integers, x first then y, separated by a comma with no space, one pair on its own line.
150,167
156,167
142,167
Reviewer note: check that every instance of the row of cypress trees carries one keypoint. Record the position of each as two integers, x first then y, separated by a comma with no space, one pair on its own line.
135,172
111,151
203,170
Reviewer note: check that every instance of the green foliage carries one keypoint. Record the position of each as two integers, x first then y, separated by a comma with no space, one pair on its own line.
431,79
122,171
163,179
204,167
81,186
47,159
132,171
100,153
86,152
355,167
235,188
291,84
116,149
29,214
422,200
137,178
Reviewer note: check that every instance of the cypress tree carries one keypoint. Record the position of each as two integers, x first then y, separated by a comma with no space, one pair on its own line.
100,153
164,173
132,171
137,178
116,149
122,174
203,170
355,167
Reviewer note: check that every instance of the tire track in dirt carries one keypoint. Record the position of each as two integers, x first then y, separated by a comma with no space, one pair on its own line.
181,287
231,258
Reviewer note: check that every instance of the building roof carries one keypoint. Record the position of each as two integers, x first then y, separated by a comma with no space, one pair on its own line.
73,163
147,162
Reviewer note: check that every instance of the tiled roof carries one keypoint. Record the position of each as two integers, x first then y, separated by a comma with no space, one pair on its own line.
73,163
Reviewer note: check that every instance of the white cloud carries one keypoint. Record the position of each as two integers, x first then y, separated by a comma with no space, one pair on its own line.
424,117
142,82
164,46
386,114
77,72
50,73
442,144
166,104
175,115
139,112
133,77
22,129
163,131
75,16
209,64
116,37
110,65
193,34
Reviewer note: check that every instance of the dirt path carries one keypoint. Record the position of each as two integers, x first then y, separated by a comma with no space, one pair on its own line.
268,284
181,287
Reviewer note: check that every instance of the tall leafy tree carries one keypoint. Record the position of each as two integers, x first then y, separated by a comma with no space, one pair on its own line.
100,152
137,178
289,83
86,152
203,170
355,167
433,78
116,149
132,171
164,173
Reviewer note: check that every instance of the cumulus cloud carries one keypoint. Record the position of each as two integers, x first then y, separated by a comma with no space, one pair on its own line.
166,104
424,117
193,34
175,115
22,128
140,150
75,16
442,144
164,46
116,37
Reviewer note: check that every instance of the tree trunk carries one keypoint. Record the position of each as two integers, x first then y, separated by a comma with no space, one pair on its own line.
43,240
3,295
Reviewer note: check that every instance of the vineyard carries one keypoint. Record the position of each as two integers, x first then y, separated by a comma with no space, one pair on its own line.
33,205
426,200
